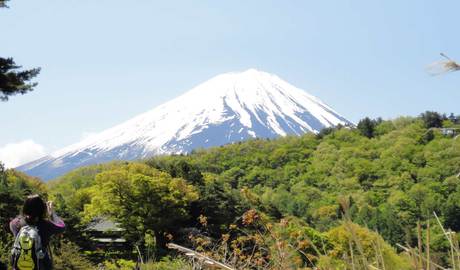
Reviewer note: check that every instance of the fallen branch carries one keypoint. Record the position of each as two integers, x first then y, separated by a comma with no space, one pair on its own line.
199,256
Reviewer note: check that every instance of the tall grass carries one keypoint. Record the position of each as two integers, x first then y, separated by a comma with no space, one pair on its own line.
361,251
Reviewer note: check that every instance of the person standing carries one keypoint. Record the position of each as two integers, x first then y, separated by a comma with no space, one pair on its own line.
32,231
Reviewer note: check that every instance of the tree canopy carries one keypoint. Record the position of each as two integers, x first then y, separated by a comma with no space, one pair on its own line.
13,80
288,203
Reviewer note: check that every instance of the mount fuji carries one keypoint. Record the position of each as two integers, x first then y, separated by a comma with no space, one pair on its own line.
228,108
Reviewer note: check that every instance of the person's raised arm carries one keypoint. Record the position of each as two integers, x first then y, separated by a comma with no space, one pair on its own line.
15,226
55,219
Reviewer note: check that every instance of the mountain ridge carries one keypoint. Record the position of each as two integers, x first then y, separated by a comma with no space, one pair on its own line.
227,108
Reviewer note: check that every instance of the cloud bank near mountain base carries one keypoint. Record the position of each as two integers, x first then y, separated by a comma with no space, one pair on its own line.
16,154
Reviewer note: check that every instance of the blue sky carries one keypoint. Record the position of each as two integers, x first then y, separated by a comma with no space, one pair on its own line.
104,62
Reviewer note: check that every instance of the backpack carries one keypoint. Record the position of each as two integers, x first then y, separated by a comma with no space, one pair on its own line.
27,252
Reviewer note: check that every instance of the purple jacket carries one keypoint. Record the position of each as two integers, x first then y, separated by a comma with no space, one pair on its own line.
46,229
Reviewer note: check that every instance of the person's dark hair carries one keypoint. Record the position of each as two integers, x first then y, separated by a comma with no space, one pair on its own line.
34,209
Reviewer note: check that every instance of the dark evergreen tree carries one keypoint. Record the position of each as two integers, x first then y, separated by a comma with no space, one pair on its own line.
3,180
432,119
328,130
324,132
389,225
452,118
13,80
366,127
452,212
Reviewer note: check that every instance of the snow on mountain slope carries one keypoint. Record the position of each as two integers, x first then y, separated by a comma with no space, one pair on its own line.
227,108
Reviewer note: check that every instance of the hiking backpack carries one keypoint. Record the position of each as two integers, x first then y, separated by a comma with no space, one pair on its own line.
27,252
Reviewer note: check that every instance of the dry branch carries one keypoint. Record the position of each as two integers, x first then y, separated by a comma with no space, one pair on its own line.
191,253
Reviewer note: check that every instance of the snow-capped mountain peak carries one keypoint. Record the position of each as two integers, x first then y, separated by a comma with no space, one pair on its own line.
227,108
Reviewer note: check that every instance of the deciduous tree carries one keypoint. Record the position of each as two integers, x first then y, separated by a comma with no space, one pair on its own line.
141,199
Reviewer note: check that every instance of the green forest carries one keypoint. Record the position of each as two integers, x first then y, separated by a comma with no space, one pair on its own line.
382,195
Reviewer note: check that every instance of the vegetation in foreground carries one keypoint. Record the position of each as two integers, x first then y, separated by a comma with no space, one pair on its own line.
347,198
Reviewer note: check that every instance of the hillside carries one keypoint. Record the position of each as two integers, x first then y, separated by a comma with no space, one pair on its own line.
290,202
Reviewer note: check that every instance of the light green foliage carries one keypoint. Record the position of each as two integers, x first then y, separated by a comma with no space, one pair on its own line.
141,198
71,193
167,263
120,264
359,245
391,174
14,187
69,257
77,179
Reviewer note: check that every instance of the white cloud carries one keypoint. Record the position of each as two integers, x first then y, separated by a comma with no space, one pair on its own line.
15,154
